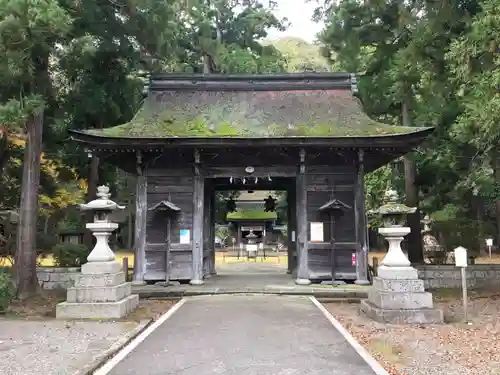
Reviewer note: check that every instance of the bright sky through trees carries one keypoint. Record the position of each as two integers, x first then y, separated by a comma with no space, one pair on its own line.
299,14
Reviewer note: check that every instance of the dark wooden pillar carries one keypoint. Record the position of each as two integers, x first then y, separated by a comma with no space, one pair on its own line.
302,234
239,235
291,202
141,212
359,207
212,231
207,244
198,198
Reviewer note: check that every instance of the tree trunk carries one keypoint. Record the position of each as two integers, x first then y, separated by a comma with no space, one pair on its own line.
207,64
4,146
26,254
88,240
415,250
414,239
480,217
496,161
46,224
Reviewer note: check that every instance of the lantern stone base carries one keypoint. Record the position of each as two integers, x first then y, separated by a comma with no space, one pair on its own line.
398,300
415,316
100,292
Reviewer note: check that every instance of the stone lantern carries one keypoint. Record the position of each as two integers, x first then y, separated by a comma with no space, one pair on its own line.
100,291
102,228
398,295
394,215
251,247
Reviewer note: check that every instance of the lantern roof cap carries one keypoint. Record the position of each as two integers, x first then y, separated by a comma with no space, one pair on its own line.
102,203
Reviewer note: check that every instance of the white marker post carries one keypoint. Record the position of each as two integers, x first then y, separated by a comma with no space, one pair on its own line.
489,243
461,261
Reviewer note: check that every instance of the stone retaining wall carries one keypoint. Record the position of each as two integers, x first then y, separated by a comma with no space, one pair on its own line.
57,277
448,276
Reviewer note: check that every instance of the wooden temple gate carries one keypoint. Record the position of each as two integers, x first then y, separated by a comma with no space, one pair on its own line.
322,168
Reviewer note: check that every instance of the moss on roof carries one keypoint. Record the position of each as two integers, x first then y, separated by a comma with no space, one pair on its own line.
251,215
330,113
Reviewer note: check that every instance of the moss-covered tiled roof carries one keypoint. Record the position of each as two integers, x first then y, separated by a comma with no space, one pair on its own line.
251,215
253,114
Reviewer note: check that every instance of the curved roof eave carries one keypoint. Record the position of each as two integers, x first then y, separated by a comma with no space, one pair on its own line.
384,140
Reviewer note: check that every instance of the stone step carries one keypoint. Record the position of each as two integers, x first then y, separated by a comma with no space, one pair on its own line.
97,310
400,300
99,294
106,280
416,316
398,285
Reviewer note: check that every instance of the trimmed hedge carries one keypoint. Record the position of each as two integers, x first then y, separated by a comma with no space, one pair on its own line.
70,255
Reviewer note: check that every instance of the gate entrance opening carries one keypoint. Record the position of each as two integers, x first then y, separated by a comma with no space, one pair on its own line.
252,244
252,224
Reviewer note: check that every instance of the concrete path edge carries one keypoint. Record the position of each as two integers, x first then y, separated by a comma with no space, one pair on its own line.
363,353
100,359
110,361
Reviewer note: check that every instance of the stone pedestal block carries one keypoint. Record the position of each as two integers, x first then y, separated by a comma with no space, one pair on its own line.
101,268
97,310
98,295
400,301
107,279
400,273
399,285
415,316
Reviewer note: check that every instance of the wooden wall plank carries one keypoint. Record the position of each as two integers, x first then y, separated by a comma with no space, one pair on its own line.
175,185
323,184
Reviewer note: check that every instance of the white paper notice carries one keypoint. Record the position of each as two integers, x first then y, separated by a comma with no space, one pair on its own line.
185,236
293,236
317,232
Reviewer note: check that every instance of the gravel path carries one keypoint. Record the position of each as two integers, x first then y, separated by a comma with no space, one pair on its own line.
449,349
53,347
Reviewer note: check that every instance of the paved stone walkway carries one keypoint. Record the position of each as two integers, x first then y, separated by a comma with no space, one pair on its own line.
252,277
245,335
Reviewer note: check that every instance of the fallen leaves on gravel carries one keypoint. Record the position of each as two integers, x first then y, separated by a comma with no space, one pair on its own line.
449,349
